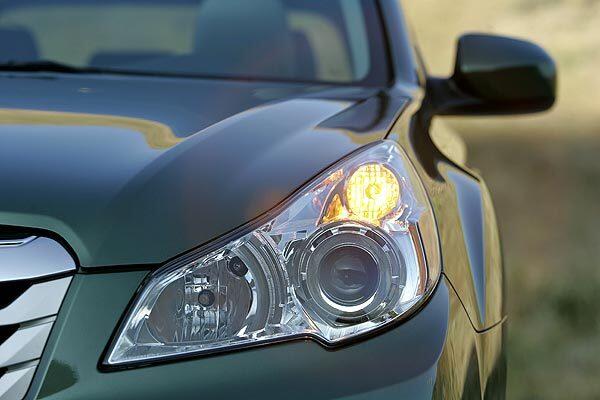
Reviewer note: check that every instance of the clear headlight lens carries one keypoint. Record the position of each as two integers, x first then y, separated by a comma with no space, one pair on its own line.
355,250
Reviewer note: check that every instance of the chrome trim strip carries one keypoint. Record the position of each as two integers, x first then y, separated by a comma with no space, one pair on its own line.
41,300
35,257
26,344
15,383
16,242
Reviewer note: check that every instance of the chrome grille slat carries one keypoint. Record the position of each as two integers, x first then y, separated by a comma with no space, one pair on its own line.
16,242
34,258
35,268
39,301
26,344
14,383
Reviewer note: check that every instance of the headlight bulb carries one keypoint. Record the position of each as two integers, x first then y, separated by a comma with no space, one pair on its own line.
372,192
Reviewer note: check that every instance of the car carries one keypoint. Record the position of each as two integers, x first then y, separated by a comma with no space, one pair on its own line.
235,199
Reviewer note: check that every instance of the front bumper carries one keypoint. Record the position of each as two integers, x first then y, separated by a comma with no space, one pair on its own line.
413,360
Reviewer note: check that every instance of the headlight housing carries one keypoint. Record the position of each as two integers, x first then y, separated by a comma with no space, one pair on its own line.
352,252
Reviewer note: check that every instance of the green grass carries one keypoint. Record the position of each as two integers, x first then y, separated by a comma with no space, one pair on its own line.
548,202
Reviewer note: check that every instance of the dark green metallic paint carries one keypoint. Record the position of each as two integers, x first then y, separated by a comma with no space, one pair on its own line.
137,170
95,179
298,369
496,75
505,71
410,361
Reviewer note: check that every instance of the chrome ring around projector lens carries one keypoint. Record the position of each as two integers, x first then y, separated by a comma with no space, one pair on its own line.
349,272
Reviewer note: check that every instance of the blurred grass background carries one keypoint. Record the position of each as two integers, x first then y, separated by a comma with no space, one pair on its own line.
544,174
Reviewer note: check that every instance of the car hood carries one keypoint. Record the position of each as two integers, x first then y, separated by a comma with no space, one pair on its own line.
137,170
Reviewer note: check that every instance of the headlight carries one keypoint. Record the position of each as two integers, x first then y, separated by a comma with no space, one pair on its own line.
354,251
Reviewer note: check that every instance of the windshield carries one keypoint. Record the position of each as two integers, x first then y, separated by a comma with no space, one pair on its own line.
300,40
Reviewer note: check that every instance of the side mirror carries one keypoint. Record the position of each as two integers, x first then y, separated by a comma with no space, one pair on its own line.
496,75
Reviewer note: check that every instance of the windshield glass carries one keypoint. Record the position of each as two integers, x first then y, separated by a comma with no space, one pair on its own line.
304,40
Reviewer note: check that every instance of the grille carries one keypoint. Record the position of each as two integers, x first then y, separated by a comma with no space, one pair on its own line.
33,282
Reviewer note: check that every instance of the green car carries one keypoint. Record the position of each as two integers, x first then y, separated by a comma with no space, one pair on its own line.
219,199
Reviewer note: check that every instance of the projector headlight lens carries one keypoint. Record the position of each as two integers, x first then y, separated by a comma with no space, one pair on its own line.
356,250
